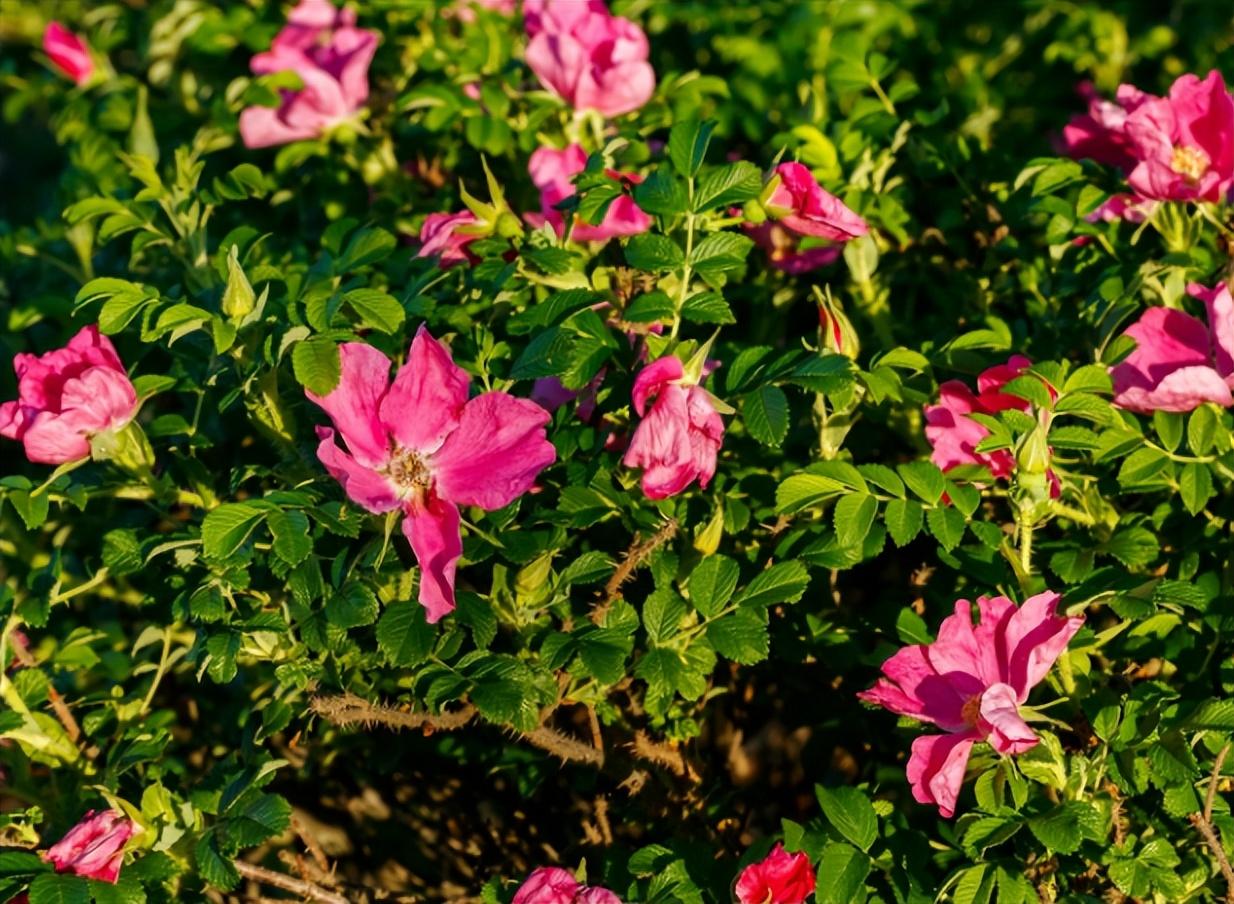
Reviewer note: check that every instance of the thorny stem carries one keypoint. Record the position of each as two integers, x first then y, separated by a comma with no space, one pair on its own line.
306,890
635,556
1203,823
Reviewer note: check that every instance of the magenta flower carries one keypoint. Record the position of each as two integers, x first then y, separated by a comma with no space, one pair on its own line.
67,396
802,205
94,848
588,58
784,251
420,445
554,885
954,435
1184,143
1179,363
779,878
551,171
444,236
321,44
971,683
1101,134
69,53
678,440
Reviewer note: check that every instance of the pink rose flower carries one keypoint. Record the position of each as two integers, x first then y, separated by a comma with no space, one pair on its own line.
954,435
1179,363
783,248
440,237
554,885
779,878
802,205
421,446
678,440
588,58
69,53
67,396
321,44
94,848
971,683
1184,143
551,171
1100,134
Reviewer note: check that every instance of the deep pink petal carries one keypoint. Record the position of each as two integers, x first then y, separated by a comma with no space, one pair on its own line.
1220,307
548,885
1000,710
100,399
51,439
432,528
652,379
366,487
426,400
936,769
1033,639
355,402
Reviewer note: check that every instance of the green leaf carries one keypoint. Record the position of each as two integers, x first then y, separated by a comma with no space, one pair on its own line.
59,889
852,517
1065,827
721,252
947,526
687,145
903,518
722,186
354,605
366,247
851,812
223,650
127,890
225,529
783,582
213,866
1133,546
653,252
712,584
661,194
925,479
649,308
707,307
1195,485
316,364
293,540
404,635
842,872
257,817
765,412
740,636
662,614
377,309
1202,429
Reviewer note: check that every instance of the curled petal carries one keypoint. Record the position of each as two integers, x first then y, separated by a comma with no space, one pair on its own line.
364,486
354,403
936,769
1000,710
432,528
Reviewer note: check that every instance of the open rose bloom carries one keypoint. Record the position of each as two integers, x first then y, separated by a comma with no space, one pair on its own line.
954,435
554,885
590,59
679,437
800,204
445,237
94,848
321,45
971,683
1174,148
69,53
779,878
551,170
419,445
1179,363
66,397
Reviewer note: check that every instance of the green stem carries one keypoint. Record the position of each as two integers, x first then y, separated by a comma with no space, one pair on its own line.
160,672
686,271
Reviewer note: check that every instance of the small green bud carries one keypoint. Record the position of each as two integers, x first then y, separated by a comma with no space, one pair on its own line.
239,297
707,538
753,212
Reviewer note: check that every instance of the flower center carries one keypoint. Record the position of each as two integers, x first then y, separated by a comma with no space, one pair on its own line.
971,711
409,471
1189,162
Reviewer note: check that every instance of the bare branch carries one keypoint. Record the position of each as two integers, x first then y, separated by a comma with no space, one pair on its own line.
306,890
1203,823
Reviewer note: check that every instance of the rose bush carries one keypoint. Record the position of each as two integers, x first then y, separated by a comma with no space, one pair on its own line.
559,453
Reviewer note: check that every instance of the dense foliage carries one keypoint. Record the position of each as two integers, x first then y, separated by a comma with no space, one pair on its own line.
688,451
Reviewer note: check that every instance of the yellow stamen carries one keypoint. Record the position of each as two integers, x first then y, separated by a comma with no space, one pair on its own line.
1189,162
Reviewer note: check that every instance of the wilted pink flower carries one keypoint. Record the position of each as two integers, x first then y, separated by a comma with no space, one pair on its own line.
94,848
67,396
779,878
554,885
802,205
420,445
1184,143
971,683
1179,363
551,171
588,58
440,237
321,44
784,251
68,52
677,441
954,435
1100,134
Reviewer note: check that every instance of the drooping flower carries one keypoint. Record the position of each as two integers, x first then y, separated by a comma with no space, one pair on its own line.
66,397
1179,363
971,682
589,58
551,171
677,441
554,885
779,878
444,236
954,435
420,445
799,203
94,848
1101,134
1184,143
321,45
784,251
68,52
